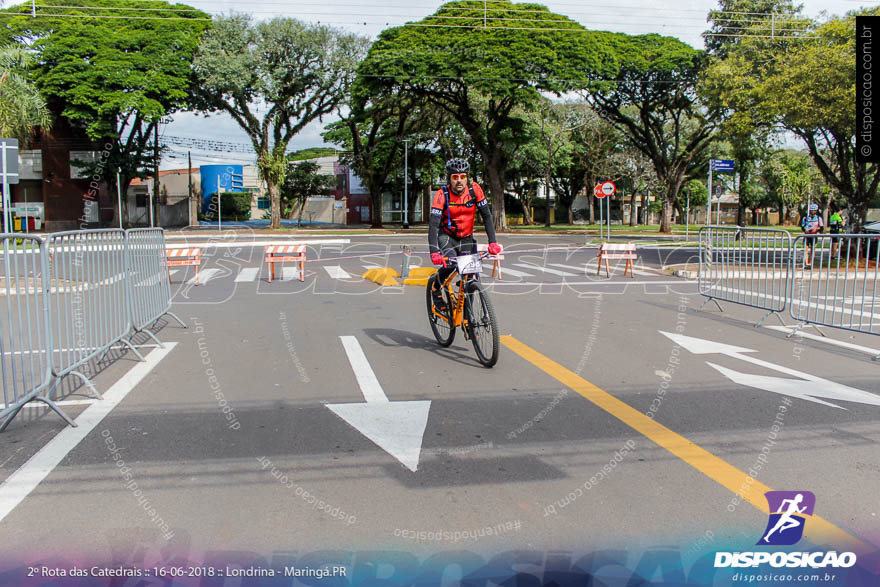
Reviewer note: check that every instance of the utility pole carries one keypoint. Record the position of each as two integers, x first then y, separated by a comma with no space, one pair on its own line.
406,183
189,187
156,176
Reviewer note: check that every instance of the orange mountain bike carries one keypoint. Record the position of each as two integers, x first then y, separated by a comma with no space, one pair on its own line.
469,307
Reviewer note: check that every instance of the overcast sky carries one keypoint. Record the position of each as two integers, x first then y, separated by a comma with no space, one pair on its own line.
684,19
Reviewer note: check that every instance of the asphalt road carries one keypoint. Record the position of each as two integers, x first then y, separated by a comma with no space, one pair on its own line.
613,420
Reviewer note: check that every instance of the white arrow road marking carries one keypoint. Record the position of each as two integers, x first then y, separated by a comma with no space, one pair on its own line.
808,387
396,427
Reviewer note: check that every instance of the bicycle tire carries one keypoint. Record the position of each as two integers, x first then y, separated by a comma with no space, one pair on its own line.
443,332
482,324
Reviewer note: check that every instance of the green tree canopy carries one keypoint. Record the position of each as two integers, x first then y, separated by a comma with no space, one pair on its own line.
650,94
21,106
805,84
111,70
479,65
274,78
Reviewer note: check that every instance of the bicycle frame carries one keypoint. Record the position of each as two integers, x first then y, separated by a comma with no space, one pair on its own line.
458,300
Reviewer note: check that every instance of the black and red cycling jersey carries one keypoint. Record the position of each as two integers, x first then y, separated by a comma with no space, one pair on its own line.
457,212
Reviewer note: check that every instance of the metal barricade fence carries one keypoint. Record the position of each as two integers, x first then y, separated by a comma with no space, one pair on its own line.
747,266
835,282
25,337
148,287
87,298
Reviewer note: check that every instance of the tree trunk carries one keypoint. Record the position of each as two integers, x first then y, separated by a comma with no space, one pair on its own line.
679,212
755,216
666,216
740,214
528,220
275,199
496,192
592,199
570,213
632,209
643,211
376,207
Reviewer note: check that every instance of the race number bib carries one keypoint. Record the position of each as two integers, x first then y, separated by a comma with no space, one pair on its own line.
469,264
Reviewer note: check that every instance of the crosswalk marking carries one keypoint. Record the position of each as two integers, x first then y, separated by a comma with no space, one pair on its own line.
337,272
205,275
289,273
581,269
247,274
543,269
505,271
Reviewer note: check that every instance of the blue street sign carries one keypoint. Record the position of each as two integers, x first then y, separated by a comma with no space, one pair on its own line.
722,164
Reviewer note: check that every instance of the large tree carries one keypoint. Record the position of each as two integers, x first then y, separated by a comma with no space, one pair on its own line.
651,96
804,83
113,76
479,65
21,106
273,78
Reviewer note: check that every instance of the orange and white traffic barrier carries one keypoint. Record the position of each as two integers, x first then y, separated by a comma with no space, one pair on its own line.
184,258
286,253
496,259
626,251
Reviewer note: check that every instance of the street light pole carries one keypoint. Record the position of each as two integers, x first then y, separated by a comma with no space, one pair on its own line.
406,183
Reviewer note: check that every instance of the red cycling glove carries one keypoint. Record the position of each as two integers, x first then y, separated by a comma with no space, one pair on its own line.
494,248
437,259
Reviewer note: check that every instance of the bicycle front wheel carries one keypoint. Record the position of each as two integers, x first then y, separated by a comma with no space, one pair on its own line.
482,324
441,325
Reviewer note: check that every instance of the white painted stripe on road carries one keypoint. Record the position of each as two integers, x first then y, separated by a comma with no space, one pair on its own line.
68,402
289,273
337,272
825,339
369,384
252,244
205,275
505,270
247,274
545,270
625,281
173,271
581,269
23,481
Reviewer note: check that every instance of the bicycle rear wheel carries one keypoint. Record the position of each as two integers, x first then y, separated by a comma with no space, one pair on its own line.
482,324
441,326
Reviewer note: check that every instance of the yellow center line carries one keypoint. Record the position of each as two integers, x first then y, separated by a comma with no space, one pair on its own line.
817,530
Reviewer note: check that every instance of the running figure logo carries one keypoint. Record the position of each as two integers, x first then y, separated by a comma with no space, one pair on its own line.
788,514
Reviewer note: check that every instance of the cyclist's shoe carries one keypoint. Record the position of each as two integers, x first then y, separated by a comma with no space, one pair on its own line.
438,301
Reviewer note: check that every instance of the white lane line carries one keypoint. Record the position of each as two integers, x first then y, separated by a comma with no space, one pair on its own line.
20,484
628,281
546,270
337,272
67,402
581,269
173,271
247,274
369,384
251,244
825,339
289,273
205,275
505,270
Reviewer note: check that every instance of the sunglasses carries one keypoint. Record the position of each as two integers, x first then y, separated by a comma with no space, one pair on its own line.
458,176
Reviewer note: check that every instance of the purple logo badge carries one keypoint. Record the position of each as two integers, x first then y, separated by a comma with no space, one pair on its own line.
788,514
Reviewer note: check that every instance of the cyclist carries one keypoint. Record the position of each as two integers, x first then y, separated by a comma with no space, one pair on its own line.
451,226
836,225
812,225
